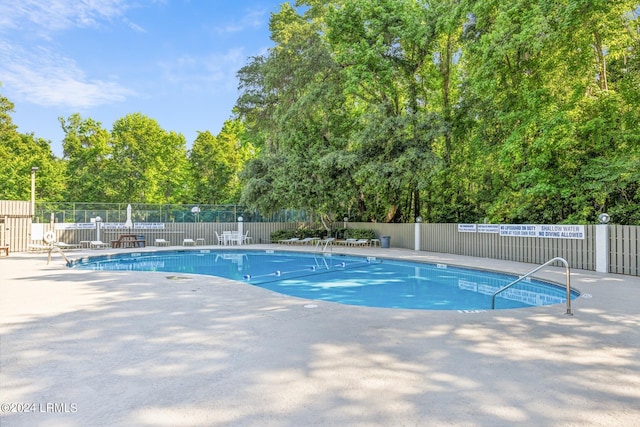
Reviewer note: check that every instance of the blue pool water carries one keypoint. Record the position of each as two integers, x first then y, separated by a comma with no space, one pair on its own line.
346,279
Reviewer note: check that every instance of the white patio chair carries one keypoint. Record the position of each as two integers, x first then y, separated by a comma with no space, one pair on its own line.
220,239
162,242
98,244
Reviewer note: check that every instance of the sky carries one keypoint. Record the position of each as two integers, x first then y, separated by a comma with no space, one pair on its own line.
175,61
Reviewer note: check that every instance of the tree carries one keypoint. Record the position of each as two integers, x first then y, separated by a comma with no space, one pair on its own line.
147,164
86,147
217,161
18,154
292,102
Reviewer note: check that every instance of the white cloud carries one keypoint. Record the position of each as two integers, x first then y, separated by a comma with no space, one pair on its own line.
216,72
55,15
252,19
33,72
134,26
41,77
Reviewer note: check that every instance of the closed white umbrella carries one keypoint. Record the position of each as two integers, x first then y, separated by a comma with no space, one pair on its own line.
128,223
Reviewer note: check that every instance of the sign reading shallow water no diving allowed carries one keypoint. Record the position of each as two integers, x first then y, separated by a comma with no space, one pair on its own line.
543,231
527,230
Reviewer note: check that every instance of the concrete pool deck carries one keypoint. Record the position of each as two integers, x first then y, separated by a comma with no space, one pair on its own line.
105,348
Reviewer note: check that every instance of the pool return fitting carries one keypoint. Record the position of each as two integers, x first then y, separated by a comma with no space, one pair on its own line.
568,274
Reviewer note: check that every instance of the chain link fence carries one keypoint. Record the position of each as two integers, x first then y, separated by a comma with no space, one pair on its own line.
82,212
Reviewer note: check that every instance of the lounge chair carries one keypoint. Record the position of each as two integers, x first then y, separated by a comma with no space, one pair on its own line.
161,242
361,242
98,244
346,242
35,247
63,246
289,241
188,242
306,240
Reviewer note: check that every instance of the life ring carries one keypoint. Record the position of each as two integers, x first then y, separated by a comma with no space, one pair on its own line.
49,237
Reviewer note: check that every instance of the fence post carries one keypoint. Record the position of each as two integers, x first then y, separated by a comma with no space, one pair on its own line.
417,233
602,248
240,229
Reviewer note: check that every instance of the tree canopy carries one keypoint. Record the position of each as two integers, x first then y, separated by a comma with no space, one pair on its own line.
389,110
452,110
136,161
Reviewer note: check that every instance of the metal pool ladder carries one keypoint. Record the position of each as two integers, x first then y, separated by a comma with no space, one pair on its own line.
568,274
328,243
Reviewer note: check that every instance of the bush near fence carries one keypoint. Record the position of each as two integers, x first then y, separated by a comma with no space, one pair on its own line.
301,233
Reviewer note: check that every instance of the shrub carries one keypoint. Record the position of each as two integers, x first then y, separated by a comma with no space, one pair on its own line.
282,235
359,233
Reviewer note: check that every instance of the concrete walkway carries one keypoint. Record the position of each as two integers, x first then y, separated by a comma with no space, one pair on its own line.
104,348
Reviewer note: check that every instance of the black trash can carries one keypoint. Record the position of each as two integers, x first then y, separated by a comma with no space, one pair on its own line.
385,241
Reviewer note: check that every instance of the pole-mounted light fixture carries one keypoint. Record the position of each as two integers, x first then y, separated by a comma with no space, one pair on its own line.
604,218
33,190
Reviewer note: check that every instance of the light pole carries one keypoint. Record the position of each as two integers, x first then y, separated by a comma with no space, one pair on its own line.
98,220
196,213
33,191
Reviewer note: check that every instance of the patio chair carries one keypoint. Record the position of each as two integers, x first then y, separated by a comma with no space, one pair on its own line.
236,238
98,244
188,242
220,239
229,237
161,242
246,238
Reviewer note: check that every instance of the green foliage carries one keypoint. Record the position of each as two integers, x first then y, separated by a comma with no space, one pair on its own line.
147,164
282,235
456,111
385,110
18,154
216,163
87,149
300,233
359,233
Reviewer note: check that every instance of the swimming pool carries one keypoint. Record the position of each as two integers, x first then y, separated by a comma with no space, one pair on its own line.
364,281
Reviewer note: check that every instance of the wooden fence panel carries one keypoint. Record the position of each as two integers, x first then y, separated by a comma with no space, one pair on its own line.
15,219
624,256
446,238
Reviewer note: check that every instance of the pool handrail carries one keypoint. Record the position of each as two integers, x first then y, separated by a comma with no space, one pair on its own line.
328,242
568,274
